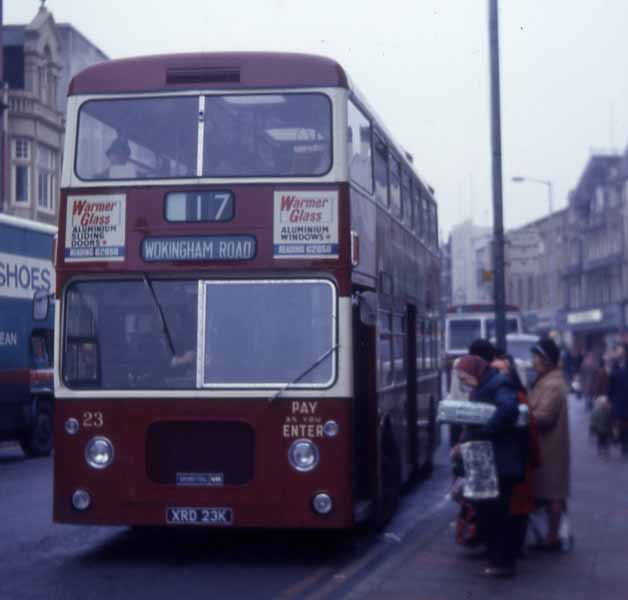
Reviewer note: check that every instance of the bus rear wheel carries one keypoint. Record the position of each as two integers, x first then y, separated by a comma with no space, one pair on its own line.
37,441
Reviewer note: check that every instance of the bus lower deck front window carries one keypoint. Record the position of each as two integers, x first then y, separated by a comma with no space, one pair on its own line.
264,135
189,335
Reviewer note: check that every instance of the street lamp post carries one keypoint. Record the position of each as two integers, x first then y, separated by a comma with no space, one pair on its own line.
546,182
550,202
496,152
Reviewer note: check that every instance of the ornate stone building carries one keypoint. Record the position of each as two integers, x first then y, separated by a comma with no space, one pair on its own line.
39,60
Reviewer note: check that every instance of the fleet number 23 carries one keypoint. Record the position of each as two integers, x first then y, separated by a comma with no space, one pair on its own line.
92,419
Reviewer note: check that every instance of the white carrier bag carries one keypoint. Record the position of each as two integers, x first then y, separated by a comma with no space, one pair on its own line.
480,480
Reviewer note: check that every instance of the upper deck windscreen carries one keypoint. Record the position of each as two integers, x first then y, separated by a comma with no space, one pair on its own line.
264,135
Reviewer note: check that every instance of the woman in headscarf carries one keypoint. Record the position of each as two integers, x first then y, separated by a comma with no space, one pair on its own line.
486,384
548,404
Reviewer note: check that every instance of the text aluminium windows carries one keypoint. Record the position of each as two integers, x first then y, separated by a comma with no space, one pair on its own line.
242,334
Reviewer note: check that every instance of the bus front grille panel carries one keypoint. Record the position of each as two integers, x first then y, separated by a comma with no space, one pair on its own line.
200,452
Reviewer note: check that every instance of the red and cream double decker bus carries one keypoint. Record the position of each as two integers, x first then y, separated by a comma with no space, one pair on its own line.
247,279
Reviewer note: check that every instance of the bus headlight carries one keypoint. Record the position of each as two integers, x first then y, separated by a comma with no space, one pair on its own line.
303,455
99,452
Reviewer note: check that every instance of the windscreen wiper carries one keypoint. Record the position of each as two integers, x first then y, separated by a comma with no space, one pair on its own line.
164,326
301,375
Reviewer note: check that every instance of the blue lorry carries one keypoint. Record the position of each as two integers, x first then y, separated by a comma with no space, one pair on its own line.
26,346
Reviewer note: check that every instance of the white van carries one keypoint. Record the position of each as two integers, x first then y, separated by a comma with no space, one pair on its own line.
467,322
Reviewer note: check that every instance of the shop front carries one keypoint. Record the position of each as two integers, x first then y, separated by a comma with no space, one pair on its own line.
596,328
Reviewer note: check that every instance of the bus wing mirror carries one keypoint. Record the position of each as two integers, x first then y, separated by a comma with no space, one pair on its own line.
368,308
40,305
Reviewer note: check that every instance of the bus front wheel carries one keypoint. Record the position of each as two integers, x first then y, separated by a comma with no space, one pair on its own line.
37,441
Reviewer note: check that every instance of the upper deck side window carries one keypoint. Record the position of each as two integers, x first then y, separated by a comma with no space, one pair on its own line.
434,222
416,208
264,135
406,199
380,164
359,148
395,187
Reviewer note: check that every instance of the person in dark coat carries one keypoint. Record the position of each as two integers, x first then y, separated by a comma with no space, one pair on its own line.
572,360
523,497
484,349
489,385
618,395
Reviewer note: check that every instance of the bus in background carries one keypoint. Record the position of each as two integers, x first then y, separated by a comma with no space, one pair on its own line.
26,384
467,322
246,298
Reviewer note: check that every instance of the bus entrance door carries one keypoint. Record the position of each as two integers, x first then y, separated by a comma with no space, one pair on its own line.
364,319
411,389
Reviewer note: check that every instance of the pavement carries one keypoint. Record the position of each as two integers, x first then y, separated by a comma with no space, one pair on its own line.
430,566
415,557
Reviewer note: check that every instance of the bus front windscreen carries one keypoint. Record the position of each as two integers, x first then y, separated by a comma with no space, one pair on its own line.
149,334
244,135
268,333
462,332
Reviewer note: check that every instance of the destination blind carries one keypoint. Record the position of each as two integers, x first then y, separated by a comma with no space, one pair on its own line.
199,248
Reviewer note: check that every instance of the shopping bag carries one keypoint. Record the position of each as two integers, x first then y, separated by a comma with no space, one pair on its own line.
537,531
480,472
565,534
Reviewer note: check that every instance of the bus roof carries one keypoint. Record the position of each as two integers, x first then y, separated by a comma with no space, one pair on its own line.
27,224
209,71
220,71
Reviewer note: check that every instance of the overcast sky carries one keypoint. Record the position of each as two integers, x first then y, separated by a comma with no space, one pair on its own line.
423,65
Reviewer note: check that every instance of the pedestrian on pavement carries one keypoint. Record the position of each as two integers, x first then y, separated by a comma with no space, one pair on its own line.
548,405
523,499
618,395
601,425
572,360
589,372
499,529
471,528
484,349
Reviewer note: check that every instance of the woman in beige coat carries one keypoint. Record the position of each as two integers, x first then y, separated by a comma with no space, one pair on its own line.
548,403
